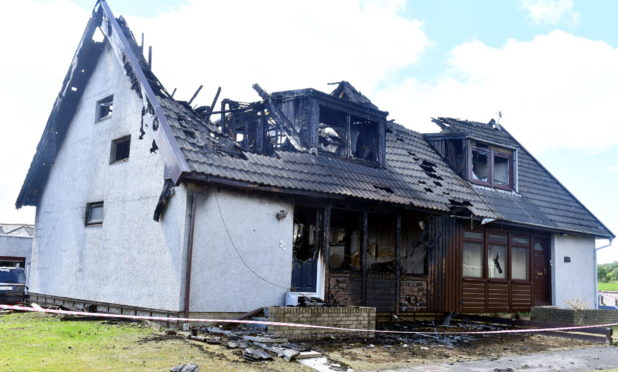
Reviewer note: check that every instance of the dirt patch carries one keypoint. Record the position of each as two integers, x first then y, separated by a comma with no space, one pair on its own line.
388,352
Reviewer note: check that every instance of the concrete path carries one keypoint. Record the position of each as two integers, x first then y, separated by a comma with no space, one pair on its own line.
588,359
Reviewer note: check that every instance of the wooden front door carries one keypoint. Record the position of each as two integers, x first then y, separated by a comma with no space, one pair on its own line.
541,275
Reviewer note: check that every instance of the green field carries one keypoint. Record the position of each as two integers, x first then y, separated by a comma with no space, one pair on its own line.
39,342
609,286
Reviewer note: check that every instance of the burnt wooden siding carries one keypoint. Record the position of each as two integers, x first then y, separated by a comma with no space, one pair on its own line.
443,264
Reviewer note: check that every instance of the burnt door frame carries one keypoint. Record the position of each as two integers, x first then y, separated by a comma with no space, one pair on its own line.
541,268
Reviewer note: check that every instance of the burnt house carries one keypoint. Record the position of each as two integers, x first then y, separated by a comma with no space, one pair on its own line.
148,202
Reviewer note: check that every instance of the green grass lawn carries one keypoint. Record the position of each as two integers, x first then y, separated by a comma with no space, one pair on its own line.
609,286
39,342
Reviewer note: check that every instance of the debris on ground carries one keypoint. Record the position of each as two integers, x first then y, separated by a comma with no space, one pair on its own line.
186,368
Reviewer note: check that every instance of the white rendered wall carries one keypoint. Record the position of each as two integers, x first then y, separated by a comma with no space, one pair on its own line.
130,259
17,246
576,279
220,281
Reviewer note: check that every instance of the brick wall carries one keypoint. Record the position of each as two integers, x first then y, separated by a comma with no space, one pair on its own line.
573,317
344,290
413,295
344,317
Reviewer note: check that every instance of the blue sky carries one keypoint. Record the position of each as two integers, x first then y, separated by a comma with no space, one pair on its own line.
551,66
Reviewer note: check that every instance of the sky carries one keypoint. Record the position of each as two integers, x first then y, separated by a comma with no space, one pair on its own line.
549,66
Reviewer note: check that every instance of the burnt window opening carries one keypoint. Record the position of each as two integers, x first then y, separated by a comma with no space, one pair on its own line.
347,135
305,234
344,241
94,213
332,131
120,149
491,166
414,246
105,108
381,244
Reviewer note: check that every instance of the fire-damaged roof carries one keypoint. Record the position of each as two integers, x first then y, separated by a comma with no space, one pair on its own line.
414,174
194,148
541,200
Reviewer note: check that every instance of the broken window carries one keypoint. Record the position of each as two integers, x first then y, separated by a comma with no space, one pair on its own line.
344,240
381,244
496,261
491,166
414,244
94,213
496,247
480,165
364,139
105,107
332,131
120,149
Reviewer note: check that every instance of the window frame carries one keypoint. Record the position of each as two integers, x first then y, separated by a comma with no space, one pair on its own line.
89,207
491,153
486,241
100,103
114,149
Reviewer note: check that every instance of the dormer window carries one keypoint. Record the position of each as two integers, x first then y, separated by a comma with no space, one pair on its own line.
347,135
491,166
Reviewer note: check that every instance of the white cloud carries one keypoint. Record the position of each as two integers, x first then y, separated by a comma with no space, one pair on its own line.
550,12
615,168
279,44
557,90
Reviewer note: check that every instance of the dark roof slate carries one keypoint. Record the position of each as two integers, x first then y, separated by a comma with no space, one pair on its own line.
541,199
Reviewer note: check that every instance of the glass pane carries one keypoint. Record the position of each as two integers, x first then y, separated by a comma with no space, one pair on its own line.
472,259
519,263
95,214
496,261
497,238
538,247
501,170
473,235
479,166
521,240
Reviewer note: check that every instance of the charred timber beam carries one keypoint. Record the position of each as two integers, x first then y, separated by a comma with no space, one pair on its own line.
326,249
397,261
364,244
286,126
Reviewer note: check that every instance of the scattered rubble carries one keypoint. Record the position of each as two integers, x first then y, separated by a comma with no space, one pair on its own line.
186,368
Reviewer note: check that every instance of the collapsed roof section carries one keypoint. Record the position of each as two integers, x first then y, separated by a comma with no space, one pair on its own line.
540,200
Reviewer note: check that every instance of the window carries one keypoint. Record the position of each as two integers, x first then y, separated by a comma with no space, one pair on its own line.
347,135
491,166
506,255
120,149
472,259
94,213
105,107
520,252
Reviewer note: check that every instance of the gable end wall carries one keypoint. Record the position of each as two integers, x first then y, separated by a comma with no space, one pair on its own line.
129,259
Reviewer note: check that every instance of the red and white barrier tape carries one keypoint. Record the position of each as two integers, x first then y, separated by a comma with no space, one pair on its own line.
609,295
297,325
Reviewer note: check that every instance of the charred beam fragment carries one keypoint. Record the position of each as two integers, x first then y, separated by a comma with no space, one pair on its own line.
286,126
166,194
